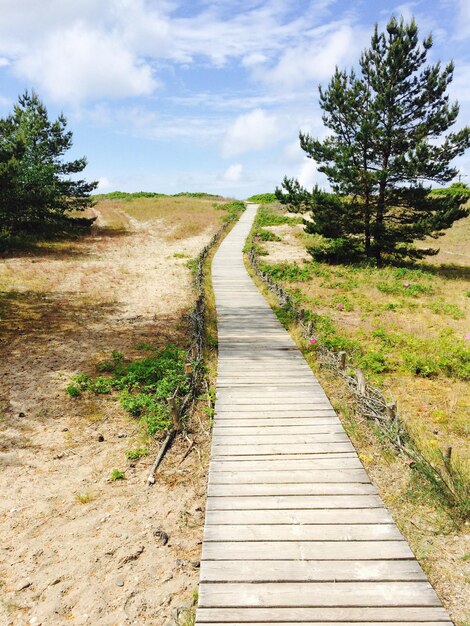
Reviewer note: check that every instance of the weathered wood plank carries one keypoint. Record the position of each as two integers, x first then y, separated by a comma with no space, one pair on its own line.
303,532
279,448
220,430
300,516
310,571
219,476
286,456
283,439
301,550
328,615
290,489
308,594
276,422
335,623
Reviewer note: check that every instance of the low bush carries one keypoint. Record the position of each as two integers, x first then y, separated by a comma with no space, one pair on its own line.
263,198
144,383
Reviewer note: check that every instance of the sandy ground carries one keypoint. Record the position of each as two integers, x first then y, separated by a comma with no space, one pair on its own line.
76,548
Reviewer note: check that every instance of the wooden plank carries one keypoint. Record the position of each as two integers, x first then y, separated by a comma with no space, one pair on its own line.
294,466
303,532
260,404
310,571
273,412
275,422
299,516
285,456
307,550
279,448
220,477
305,594
284,623
361,616
286,438
221,430
290,489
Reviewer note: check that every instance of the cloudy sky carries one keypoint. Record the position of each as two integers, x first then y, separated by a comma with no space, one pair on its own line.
202,95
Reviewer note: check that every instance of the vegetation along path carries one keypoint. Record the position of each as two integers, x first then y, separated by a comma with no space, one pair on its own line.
295,531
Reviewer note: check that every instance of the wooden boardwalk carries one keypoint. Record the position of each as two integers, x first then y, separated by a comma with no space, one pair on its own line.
295,532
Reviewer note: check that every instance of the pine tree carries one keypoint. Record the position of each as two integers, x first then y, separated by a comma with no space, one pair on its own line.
40,188
385,149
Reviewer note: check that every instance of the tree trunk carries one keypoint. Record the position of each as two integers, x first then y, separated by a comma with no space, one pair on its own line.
367,225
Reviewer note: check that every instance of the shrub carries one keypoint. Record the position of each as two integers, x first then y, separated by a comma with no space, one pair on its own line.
263,198
266,235
136,453
268,217
290,272
144,383
117,475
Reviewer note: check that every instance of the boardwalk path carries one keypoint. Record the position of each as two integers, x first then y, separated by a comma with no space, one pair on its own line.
295,531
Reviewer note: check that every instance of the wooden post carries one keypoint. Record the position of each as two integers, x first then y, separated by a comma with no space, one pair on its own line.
361,382
447,458
391,411
175,415
342,360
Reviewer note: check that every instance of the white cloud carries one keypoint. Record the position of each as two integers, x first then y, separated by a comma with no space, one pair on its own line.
308,174
104,184
233,172
293,151
255,58
316,58
463,19
256,130
87,50
79,64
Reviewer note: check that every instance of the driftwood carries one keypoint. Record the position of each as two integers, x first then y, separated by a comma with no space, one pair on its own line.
160,455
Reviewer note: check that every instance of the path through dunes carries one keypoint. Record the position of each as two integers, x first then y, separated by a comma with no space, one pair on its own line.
295,531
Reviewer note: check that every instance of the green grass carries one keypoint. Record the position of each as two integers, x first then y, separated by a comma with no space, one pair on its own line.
136,453
268,216
289,272
265,235
136,195
117,475
233,209
263,198
144,384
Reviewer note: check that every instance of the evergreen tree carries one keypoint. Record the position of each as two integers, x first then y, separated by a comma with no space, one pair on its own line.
385,148
38,186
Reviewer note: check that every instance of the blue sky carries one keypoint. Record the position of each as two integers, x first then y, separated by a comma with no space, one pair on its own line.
209,96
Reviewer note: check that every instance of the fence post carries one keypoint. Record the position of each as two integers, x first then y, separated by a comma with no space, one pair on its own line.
361,382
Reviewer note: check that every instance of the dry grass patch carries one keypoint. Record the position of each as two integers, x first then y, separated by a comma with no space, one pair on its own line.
178,217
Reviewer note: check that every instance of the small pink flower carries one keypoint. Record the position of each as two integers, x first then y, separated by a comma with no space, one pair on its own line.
313,340
340,307
406,283
467,337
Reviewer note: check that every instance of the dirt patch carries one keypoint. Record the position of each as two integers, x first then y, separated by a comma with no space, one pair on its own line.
77,547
